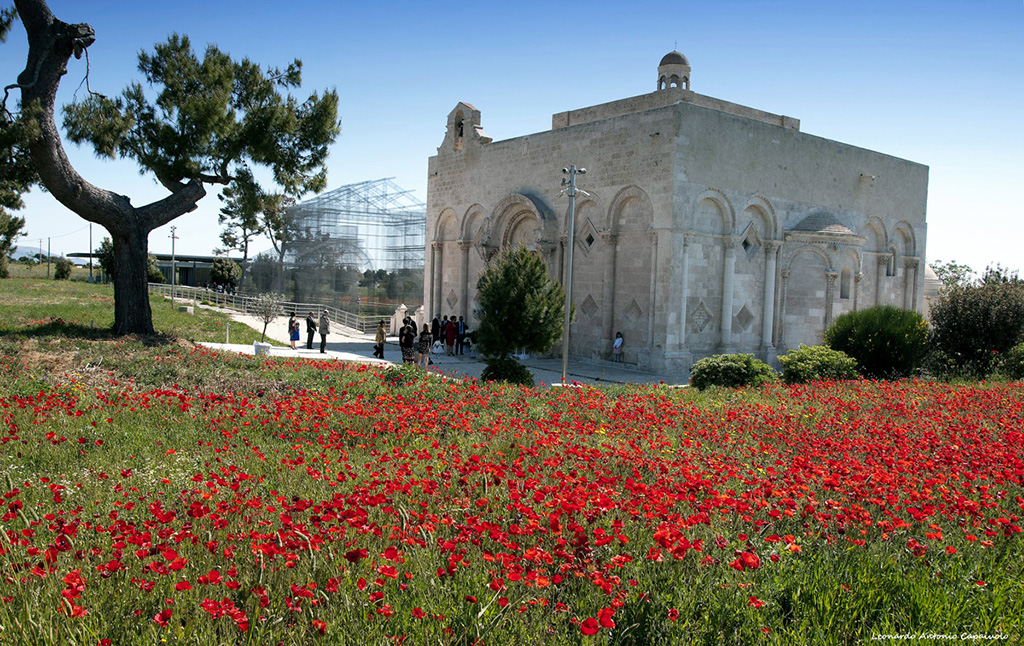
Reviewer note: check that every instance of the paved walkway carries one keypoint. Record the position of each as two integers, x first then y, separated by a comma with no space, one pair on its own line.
345,344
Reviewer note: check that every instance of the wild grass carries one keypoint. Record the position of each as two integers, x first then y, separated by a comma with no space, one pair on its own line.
309,502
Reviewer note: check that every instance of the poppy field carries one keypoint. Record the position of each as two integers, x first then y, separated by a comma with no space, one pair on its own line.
342,505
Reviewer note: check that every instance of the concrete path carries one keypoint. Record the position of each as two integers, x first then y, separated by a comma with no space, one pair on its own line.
346,344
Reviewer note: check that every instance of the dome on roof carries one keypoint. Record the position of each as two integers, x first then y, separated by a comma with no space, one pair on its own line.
674,58
822,223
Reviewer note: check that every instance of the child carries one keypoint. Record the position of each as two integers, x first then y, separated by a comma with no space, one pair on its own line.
617,348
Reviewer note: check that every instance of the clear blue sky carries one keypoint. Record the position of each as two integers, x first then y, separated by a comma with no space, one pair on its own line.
940,83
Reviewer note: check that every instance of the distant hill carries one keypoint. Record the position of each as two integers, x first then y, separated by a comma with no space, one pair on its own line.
24,250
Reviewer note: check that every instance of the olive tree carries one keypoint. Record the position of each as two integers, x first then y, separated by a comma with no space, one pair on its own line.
212,119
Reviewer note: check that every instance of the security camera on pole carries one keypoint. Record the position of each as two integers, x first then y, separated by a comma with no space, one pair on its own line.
571,191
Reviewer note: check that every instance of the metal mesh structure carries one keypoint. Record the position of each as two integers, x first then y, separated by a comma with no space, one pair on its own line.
370,225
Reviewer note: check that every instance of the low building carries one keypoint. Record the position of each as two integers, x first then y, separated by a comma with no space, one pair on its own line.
709,227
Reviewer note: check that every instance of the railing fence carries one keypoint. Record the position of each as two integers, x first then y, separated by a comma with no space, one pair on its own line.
245,303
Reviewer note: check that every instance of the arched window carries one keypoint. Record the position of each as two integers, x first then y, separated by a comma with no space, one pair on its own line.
844,283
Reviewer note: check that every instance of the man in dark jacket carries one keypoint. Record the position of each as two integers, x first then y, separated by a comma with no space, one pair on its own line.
310,330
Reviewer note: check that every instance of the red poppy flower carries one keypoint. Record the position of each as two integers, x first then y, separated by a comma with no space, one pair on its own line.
589,626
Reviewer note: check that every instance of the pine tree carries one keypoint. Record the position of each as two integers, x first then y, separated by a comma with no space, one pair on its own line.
521,307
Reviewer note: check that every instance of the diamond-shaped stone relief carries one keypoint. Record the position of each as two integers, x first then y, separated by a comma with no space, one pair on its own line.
589,307
744,317
633,312
452,299
700,317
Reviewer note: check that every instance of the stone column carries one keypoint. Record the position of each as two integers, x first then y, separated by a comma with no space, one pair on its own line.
438,278
547,252
608,287
830,296
654,288
856,290
881,269
684,280
429,278
782,308
771,254
728,267
464,247
910,283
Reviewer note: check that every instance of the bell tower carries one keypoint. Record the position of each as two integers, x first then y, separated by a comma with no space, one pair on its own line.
674,71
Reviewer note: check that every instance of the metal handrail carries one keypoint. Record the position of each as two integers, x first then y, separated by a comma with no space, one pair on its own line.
244,303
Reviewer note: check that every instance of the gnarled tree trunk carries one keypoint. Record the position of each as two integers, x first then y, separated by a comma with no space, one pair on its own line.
51,44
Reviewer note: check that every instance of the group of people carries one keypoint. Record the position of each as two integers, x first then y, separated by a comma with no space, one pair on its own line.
323,325
451,332
416,342
415,345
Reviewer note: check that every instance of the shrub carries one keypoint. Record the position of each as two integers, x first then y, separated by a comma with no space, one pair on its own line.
1013,362
508,370
975,324
886,342
225,272
814,363
62,269
731,371
521,307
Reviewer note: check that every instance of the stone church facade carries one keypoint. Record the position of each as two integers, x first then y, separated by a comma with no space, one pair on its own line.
709,227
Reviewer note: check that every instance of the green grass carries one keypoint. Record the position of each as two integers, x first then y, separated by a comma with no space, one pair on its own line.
125,423
62,330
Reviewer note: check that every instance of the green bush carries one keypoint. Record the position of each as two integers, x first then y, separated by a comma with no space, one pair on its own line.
815,363
62,269
885,341
730,371
508,370
977,323
1013,363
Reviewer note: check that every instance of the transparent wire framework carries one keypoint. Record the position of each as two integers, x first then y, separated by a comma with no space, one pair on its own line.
369,225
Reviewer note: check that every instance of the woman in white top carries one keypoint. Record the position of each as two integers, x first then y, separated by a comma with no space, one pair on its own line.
617,348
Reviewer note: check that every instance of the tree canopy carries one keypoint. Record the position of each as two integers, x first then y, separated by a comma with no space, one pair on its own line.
212,120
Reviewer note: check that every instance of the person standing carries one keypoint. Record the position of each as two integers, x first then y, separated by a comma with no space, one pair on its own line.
378,349
324,326
460,335
310,330
293,330
617,348
435,327
425,342
407,341
449,337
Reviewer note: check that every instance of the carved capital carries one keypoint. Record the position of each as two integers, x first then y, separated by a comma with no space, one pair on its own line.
785,274
911,263
546,248
857,277
771,246
730,242
465,245
609,237
831,276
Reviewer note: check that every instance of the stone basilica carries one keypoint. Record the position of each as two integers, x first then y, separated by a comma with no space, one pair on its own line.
710,227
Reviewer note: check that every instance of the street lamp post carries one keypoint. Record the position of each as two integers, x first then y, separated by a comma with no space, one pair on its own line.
173,277
571,191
